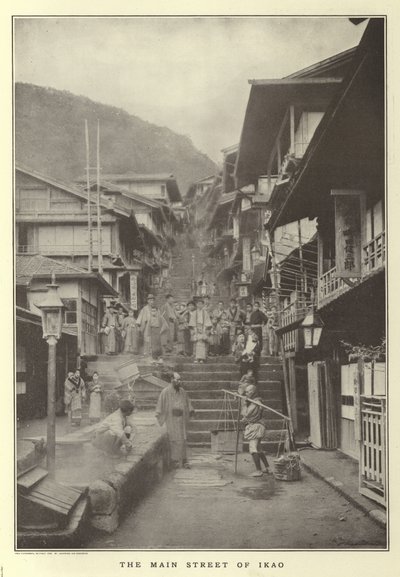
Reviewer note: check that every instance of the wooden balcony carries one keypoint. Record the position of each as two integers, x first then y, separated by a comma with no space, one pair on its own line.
295,311
61,249
374,254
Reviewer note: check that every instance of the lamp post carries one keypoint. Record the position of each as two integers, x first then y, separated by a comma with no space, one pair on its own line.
51,309
312,327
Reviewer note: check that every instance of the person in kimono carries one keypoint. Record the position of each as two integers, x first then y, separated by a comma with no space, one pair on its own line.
182,328
214,339
108,327
217,312
153,326
224,329
250,358
200,325
257,320
174,409
254,432
189,345
169,313
272,325
95,393
238,347
130,333
115,433
236,317
74,394
119,317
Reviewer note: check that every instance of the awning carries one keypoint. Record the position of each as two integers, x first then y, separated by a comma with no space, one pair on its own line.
266,108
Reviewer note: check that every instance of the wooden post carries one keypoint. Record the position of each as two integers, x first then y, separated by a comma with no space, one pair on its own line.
99,229
51,406
237,434
292,131
89,210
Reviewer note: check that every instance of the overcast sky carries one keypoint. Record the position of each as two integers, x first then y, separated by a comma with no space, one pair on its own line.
189,74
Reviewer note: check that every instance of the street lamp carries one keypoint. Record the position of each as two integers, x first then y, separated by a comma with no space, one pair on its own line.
312,327
51,308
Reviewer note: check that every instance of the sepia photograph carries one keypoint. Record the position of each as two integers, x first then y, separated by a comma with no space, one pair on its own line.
199,217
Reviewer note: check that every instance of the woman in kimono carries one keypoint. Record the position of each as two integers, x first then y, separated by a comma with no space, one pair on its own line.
108,328
95,390
215,338
200,325
74,394
130,333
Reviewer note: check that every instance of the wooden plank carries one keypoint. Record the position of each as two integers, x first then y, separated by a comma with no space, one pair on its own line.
58,492
46,504
29,479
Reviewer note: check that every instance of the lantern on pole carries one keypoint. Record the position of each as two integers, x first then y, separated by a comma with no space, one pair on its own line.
51,308
312,327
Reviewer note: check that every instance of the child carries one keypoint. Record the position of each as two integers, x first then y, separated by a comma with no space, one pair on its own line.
238,347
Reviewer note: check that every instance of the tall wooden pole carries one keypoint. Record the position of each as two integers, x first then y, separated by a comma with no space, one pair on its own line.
281,343
99,228
51,406
237,434
90,256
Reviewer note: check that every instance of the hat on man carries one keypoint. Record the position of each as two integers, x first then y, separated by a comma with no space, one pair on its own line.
150,296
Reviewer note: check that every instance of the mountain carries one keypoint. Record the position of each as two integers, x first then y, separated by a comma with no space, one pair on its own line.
50,138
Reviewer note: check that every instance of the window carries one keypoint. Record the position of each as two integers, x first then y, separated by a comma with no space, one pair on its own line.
69,311
89,318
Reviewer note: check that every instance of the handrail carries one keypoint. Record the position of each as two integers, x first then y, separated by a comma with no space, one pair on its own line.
257,403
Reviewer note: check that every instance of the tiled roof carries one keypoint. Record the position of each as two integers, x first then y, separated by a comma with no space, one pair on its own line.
26,266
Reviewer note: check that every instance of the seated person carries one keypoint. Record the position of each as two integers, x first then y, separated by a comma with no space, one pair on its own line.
114,434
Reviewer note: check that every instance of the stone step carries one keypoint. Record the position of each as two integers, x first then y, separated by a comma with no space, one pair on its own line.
271,435
274,394
230,367
269,447
216,404
227,359
229,384
225,376
215,424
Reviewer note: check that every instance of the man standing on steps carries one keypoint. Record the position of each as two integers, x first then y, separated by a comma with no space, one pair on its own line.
169,313
236,317
254,429
174,409
257,320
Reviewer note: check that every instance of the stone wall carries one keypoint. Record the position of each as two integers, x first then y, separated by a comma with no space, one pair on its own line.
118,492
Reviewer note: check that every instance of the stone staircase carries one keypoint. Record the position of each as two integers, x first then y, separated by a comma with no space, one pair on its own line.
204,384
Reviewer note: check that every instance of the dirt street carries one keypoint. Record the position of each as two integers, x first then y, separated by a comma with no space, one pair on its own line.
208,507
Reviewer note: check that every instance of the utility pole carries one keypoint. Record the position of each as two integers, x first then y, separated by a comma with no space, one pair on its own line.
99,227
280,339
89,211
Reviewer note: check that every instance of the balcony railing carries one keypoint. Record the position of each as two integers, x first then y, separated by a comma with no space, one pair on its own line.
374,253
330,287
295,311
61,249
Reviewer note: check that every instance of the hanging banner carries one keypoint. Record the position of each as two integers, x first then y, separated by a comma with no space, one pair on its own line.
133,289
349,216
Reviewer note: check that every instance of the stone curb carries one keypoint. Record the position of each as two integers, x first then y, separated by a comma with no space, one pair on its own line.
116,494
377,515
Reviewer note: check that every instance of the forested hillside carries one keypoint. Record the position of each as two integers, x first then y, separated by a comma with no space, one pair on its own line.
50,138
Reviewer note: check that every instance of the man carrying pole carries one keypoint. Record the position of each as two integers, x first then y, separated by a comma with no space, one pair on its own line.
255,430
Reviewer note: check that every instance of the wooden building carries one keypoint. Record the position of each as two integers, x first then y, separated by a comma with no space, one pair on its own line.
338,181
52,220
